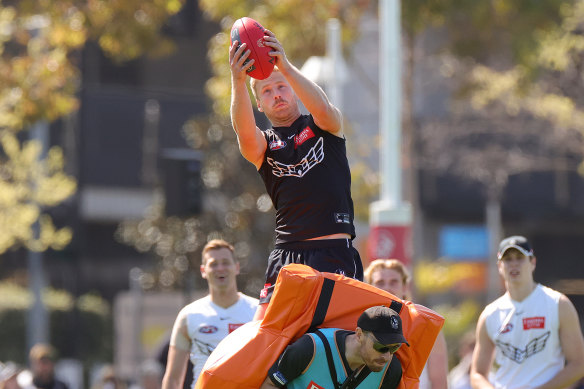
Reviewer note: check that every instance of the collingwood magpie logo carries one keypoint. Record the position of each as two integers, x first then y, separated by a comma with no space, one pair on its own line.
204,348
394,323
521,354
313,157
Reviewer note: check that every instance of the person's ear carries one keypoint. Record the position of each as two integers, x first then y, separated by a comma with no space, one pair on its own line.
500,268
203,273
359,334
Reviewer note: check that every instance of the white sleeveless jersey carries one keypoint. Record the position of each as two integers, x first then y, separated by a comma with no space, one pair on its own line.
208,324
526,337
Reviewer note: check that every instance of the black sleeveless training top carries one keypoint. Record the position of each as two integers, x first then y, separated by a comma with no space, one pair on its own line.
306,174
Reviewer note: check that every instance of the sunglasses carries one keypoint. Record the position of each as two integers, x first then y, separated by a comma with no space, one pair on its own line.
382,348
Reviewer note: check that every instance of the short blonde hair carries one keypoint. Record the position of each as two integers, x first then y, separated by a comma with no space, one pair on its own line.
216,244
392,264
42,350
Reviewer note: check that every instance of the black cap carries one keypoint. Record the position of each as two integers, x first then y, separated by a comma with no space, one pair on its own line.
384,323
515,242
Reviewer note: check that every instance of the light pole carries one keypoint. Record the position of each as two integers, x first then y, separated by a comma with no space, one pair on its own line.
37,330
390,217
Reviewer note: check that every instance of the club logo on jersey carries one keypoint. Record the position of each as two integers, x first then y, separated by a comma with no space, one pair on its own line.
519,355
508,327
277,144
312,385
208,329
234,326
204,348
394,323
303,136
313,157
530,323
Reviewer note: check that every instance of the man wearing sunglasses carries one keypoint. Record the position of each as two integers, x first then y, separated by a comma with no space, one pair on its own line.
341,359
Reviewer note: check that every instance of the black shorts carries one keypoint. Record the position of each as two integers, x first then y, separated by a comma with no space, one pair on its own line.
330,255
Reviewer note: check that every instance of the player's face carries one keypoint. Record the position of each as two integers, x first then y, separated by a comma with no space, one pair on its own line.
514,266
220,268
43,368
389,280
374,354
275,96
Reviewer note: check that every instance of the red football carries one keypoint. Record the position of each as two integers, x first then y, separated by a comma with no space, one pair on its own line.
247,30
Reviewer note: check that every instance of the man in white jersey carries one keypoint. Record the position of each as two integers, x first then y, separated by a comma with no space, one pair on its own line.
202,324
393,276
533,332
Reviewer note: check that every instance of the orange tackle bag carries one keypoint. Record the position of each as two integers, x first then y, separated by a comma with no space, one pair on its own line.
305,299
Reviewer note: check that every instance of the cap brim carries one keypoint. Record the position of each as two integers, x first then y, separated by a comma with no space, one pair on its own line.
391,338
516,247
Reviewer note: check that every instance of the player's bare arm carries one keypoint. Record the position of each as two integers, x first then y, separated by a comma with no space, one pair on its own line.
438,363
178,355
252,143
572,346
482,357
325,114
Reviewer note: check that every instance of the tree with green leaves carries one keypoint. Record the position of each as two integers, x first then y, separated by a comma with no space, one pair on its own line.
547,85
39,74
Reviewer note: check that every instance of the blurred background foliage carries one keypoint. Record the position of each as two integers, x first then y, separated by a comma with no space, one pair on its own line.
78,326
29,182
548,83
39,74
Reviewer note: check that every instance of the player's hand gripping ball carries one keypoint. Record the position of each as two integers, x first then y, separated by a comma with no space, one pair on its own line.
247,30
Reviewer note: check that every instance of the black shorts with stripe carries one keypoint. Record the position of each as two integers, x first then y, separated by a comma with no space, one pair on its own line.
329,255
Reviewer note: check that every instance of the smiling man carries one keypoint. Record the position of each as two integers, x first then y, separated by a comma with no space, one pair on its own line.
202,324
532,332
302,162
335,358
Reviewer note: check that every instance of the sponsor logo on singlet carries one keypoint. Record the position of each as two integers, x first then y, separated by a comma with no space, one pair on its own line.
207,329
530,323
264,292
234,326
303,136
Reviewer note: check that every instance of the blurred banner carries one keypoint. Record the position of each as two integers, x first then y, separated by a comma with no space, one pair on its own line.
389,242
462,266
